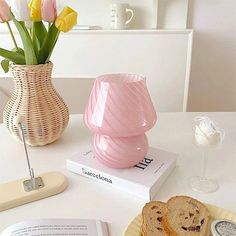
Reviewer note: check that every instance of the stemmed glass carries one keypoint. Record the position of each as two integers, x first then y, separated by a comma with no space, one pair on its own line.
206,143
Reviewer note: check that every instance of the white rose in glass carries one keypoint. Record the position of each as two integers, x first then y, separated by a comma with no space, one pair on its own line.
20,10
207,133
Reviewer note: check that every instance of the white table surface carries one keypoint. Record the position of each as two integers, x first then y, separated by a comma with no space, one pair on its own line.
85,198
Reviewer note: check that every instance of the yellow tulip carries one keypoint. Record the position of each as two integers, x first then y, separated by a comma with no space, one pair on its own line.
35,10
66,20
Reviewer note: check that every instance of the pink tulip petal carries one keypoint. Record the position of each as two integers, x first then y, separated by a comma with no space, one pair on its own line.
4,11
49,10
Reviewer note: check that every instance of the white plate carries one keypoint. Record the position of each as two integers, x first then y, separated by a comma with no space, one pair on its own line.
133,229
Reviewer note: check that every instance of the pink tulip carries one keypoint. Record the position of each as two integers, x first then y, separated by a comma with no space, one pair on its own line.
49,10
4,11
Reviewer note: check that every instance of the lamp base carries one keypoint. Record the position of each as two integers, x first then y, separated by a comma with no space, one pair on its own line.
13,194
120,152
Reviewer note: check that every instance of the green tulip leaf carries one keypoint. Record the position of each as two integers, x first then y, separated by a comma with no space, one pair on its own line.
36,44
20,50
15,57
40,32
48,44
5,65
30,56
51,50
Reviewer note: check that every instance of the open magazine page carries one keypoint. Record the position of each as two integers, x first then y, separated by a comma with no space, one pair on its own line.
59,227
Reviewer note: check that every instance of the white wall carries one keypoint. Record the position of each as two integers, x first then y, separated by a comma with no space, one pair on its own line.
213,73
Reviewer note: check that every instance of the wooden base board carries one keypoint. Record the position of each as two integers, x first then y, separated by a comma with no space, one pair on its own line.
12,194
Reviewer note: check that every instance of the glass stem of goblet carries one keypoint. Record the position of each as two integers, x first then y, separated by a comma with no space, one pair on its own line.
205,159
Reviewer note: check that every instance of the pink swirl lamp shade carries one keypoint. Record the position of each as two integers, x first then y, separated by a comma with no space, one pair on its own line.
119,112
120,106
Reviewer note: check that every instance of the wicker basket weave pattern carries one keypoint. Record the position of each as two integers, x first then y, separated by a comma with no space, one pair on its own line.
35,99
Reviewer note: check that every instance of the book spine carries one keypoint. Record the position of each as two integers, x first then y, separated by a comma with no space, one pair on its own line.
128,186
170,165
102,228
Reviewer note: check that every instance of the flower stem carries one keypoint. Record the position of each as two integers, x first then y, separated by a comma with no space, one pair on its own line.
12,35
49,25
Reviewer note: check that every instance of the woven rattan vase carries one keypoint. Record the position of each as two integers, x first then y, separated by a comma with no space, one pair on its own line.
34,98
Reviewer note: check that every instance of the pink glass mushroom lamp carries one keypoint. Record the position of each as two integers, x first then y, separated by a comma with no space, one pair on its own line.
119,113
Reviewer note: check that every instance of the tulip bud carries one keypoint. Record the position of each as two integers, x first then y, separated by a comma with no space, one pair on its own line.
49,10
35,10
66,20
20,9
4,12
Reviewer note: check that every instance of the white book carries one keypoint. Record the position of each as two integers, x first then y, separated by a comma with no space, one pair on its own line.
87,27
46,227
143,180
